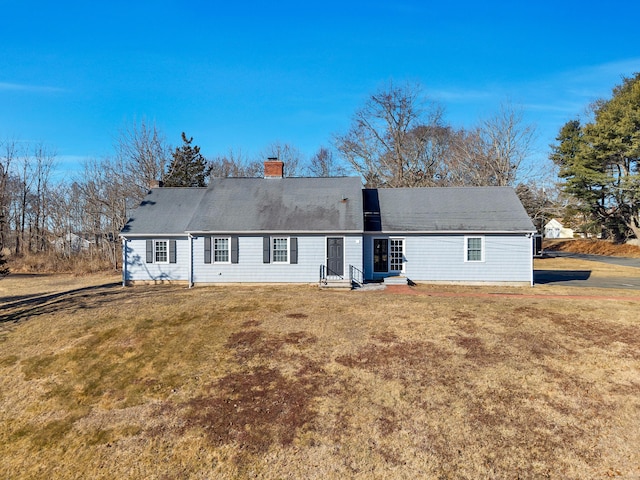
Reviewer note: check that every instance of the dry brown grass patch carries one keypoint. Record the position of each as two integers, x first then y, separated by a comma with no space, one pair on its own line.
98,381
593,247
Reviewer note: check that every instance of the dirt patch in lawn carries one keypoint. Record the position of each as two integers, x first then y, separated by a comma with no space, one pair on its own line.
258,406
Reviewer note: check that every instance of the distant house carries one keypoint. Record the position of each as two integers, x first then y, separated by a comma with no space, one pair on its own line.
555,229
306,230
71,243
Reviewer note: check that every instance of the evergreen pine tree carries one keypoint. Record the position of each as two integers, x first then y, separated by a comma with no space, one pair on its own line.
600,161
188,167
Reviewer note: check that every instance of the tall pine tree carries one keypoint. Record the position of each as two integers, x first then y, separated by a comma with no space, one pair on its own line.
600,161
188,167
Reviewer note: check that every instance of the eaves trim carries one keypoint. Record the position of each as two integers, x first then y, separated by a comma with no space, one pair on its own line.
448,232
155,235
270,232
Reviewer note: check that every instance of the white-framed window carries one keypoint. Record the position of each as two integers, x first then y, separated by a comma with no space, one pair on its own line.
474,249
221,250
161,251
396,254
280,249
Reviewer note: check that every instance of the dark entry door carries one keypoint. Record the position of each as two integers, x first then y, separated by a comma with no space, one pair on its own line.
380,255
335,256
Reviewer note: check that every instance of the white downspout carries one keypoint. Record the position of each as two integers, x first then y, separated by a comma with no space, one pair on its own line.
531,238
190,260
124,262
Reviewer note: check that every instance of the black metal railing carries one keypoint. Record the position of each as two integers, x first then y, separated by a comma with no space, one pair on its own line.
327,274
356,276
323,274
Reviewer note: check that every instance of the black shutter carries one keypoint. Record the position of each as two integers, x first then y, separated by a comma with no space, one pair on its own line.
149,251
207,249
293,250
234,249
266,249
172,251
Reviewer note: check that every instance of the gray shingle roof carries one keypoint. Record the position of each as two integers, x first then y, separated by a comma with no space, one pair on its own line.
472,209
280,204
238,205
164,211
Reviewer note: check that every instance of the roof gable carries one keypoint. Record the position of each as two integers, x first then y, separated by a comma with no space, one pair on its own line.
554,223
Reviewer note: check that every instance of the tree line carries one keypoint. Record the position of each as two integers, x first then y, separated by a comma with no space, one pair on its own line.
397,138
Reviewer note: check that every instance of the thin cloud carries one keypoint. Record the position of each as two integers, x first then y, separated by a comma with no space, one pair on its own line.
21,87
461,94
605,72
571,92
592,82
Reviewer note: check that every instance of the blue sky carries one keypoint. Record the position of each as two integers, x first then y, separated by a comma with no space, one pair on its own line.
246,74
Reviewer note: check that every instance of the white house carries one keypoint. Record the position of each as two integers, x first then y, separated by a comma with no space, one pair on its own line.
71,243
306,230
554,229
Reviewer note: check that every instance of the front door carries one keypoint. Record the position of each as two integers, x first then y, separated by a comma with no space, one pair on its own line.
335,256
380,255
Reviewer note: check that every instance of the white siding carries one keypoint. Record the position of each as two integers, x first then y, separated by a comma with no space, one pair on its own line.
441,258
139,270
250,267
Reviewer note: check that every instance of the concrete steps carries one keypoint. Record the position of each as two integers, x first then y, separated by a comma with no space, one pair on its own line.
396,280
344,284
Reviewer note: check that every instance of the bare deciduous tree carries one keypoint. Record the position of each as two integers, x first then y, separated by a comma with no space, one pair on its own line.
493,153
25,184
399,139
392,137
104,191
8,152
507,142
324,164
42,166
234,164
145,152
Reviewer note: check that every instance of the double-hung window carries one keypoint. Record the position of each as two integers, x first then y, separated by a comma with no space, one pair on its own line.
280,249
221,250
161,251
474,249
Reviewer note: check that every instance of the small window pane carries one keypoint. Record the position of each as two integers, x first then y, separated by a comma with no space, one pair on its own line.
220,250
161,252
280,250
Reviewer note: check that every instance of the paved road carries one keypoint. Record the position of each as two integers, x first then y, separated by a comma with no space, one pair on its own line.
582,278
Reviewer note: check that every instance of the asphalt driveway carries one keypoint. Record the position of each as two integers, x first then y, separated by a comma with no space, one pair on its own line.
582,278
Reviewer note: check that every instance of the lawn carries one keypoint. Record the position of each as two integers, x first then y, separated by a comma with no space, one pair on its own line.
101,381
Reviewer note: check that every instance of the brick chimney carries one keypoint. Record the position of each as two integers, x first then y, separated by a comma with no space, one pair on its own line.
273,168
156,184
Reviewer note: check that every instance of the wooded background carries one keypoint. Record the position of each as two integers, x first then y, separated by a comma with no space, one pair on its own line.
398,138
